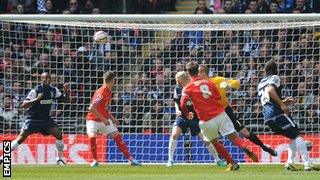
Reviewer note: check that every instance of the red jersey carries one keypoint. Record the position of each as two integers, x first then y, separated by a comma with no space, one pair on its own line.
205,98
102,99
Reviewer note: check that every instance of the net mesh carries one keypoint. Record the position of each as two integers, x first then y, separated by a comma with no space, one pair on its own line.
146,55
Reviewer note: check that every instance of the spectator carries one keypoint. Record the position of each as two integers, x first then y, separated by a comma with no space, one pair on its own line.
285,6
17,93
8,116
195,38
179,45
301,7
202,5
74,7
95,11
20,9
305,97
49,7
228,7
252,45
42,65
28,60
158,89
253,6
273,7
88,7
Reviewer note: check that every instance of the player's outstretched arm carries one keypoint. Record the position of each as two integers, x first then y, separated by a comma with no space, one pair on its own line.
234,83
231,83
273,94
30,102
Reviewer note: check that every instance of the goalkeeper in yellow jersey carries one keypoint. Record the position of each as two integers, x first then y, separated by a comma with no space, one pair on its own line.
222,85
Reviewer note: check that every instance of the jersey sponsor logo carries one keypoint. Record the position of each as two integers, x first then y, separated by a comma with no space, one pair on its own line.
49,101
98,99
275,79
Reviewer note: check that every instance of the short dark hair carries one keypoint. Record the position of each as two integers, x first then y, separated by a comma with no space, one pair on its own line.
271,68
109,76
204,68
192,68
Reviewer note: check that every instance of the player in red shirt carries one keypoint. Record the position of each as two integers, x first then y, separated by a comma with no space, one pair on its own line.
100,120
206,98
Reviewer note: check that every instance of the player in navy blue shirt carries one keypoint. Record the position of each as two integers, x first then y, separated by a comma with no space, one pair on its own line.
182,123
39,101
276,115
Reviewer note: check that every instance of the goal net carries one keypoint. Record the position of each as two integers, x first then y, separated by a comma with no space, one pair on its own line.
146,52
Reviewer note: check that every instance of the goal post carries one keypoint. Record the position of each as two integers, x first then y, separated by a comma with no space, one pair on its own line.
146,51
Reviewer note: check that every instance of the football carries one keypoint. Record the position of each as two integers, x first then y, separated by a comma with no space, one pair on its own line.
100,37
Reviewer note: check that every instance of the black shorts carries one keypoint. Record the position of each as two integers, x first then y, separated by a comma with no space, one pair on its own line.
184,124
238,126
283,125
37,126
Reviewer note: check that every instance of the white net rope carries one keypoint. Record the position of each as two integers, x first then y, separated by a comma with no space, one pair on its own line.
146,55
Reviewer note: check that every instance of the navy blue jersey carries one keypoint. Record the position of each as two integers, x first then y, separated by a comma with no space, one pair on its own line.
271,109
177,97
41,110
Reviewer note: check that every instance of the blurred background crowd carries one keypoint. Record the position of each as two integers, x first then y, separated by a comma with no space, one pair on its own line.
146,62
158,6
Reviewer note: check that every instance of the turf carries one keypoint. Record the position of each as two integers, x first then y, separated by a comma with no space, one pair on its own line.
152,172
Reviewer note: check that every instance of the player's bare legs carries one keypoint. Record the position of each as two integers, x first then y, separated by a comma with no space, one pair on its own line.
19,140
56,133
232,165
212,151
254,138
239,142
302,149
117,137
176,132
93,147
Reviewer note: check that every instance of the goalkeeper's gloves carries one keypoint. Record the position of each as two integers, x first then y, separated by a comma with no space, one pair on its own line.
224,85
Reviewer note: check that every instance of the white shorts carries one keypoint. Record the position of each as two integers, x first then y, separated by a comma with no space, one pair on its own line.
100,127
220,124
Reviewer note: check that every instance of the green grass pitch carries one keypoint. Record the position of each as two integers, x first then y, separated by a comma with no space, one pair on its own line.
152,172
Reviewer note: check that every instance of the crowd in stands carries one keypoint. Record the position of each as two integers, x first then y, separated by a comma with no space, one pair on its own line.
87,6
156,6
257,6
146,62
